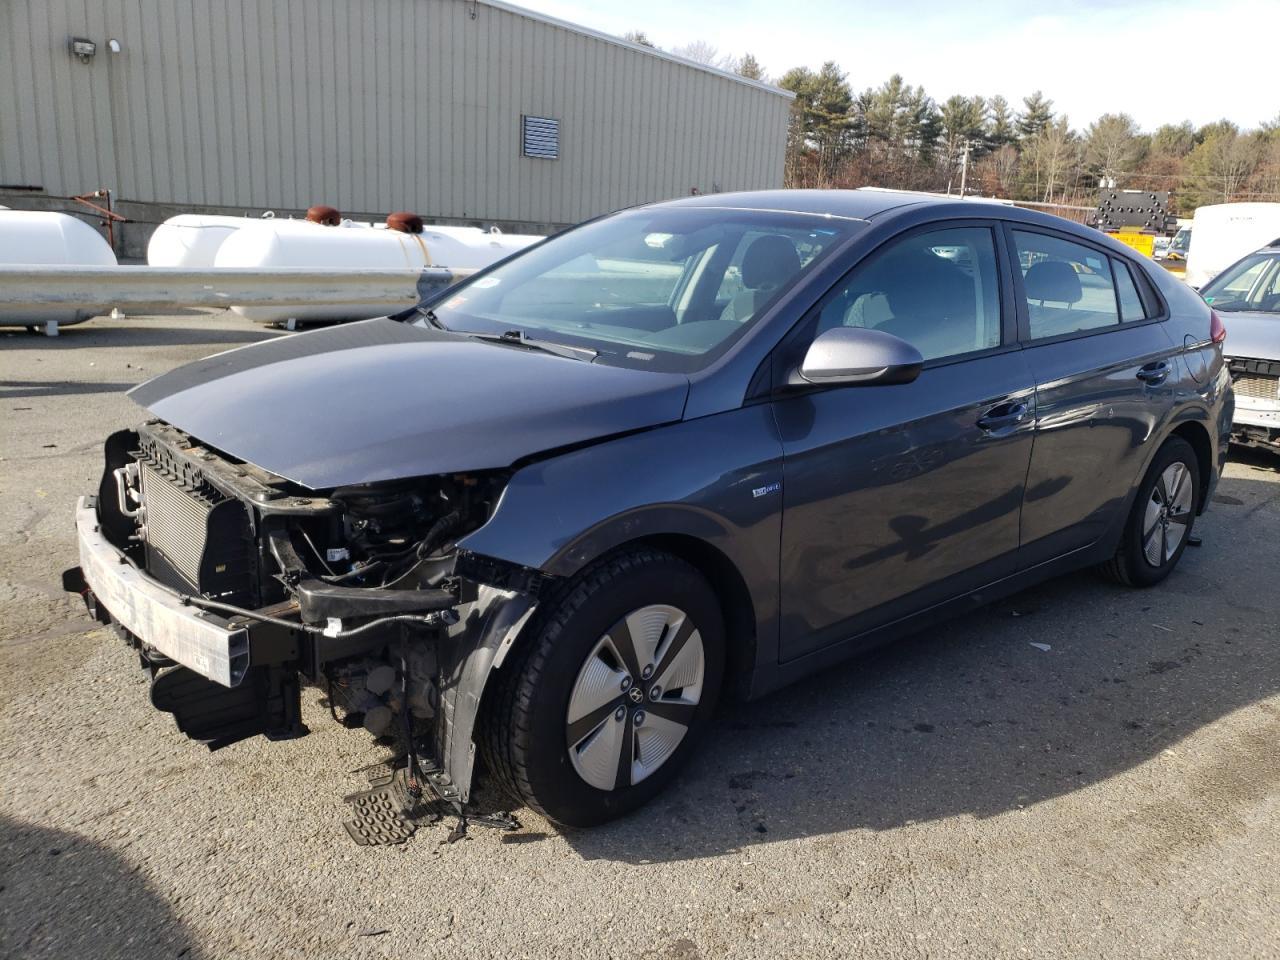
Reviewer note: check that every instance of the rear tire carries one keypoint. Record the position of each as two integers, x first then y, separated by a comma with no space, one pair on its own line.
1159,524
568,730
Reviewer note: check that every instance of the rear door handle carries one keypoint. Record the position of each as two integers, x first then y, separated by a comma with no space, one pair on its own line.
1003,415
1154,373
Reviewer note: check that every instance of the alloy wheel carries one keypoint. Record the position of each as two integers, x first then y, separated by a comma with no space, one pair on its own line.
1168,514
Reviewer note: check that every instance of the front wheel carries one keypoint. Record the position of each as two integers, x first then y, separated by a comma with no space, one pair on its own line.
1160,522
611,692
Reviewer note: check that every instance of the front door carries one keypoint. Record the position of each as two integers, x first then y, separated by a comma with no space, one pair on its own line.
897,497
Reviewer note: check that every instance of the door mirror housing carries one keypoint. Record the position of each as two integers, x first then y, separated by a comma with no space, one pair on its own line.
858,356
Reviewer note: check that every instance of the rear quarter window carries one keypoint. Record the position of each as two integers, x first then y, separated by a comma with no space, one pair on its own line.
1131,306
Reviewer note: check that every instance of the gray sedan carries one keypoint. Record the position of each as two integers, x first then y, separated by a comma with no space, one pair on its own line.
1248,292
547,518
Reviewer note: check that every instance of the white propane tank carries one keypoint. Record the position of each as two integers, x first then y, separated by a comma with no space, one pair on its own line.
191,239
471,246
51,239
299,243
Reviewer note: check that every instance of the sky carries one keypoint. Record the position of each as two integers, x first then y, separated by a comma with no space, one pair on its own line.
1197,60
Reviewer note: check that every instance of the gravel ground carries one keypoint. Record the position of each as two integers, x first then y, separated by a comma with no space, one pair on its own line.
962,793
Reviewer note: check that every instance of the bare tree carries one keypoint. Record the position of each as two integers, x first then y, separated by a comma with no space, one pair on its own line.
1266,176
1055,148
1112,145
1221,164
699,51
1004,163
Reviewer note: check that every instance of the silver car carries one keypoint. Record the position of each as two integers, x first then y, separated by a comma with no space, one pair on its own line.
1249,291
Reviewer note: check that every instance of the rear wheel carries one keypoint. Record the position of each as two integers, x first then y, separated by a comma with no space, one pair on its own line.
612,691
1160,522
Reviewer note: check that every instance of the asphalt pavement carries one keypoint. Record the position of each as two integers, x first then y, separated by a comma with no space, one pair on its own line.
1079,771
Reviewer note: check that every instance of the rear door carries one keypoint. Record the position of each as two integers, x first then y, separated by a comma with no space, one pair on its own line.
1105,372
896,497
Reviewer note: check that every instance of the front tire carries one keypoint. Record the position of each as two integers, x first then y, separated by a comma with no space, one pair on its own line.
611,692
1161,519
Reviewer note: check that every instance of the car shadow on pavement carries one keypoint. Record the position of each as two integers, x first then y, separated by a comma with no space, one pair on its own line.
27,389
1057,688
65,896
1257,458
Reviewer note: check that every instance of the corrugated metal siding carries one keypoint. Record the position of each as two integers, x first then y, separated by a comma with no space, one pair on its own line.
369,105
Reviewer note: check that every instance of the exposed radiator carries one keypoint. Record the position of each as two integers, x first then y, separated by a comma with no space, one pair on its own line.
197,540
1257,386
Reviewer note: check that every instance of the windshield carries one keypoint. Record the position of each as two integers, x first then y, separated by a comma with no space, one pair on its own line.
654,289
1253,284
1181,240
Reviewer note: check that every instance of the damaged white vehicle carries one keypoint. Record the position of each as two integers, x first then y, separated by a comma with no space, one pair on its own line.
1248,292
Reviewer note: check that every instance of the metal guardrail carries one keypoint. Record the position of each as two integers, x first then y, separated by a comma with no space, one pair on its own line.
43,296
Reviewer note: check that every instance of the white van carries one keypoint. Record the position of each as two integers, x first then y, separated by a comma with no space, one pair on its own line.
1225,232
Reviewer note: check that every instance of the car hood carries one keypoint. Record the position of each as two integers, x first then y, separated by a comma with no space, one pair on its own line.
382,400
1254,335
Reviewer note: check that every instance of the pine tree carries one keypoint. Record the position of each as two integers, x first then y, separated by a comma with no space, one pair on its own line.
820,116
1000,129
750,68
1037,113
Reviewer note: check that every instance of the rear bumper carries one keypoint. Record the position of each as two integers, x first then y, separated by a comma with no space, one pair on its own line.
200,641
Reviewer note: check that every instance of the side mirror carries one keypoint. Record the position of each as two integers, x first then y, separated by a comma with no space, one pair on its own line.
856,355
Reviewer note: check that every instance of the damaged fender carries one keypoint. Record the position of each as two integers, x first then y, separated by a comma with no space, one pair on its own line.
558,515
479,642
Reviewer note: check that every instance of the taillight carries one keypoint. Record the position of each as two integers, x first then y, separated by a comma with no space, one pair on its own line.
1217,329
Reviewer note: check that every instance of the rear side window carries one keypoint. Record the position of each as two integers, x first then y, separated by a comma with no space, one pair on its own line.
1131,307
1068,286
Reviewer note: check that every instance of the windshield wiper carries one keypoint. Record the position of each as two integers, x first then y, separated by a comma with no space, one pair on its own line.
430,316
518,338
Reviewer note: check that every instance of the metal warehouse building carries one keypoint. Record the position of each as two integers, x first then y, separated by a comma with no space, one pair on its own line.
460,110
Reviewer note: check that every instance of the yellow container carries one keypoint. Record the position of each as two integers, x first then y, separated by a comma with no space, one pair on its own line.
1144,243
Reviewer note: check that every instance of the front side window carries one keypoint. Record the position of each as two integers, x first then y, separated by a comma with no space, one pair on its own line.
659,289
1068,286
936,290
1253,284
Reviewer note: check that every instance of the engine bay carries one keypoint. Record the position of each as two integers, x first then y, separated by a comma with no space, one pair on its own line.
359,591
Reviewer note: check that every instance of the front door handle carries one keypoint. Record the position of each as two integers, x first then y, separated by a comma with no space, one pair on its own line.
1003,415
1154,374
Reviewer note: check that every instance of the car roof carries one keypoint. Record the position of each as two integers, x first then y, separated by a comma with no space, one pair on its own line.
861,204
870,203
1271,249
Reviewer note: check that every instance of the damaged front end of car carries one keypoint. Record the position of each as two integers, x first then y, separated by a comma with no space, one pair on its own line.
238,587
